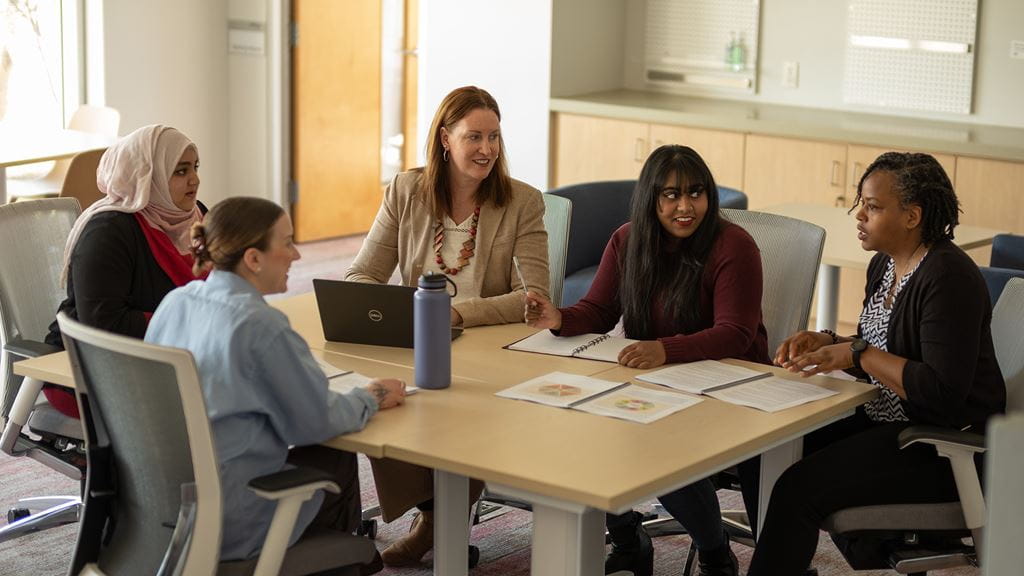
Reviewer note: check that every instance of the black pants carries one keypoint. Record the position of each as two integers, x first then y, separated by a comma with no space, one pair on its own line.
853,462
342,511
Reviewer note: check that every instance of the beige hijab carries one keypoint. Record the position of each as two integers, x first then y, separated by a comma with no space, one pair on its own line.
134,174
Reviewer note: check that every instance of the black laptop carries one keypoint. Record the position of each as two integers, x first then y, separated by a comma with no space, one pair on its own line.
358,313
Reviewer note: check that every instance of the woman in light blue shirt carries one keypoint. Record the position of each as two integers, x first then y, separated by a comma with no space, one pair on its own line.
264,391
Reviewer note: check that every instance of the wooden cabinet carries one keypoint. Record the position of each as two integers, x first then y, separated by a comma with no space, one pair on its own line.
587,148
990,193
858,158
722,151
784,170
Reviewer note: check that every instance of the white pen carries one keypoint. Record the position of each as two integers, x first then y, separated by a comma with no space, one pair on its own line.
515,262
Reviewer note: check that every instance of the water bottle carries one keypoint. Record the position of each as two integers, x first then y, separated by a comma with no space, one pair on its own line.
432,340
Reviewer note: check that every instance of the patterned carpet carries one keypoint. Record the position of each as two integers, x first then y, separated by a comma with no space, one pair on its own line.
504,541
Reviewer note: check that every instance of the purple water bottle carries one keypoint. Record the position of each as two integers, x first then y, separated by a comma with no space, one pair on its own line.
432,340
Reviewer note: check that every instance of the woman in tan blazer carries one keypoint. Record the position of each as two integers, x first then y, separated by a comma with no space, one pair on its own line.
461,215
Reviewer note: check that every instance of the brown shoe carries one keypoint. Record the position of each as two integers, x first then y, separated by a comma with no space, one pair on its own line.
410,549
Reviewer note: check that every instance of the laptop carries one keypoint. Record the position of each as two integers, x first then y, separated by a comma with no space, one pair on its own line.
377,314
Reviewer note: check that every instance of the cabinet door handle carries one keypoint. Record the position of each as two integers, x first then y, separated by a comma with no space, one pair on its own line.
840,201
857,170
836,169
639,149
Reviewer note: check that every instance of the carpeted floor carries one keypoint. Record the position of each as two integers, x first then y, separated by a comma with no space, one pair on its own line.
504,541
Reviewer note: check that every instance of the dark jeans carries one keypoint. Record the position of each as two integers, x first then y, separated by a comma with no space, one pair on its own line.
342,511
854,462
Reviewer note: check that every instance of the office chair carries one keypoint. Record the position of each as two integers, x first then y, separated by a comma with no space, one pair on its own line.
790,255
95,119
598,209
80,180
153,494
32,237
915,538
557,221
1007,262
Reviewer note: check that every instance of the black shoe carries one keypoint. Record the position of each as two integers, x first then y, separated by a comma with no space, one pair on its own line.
373,566
474,556
719,562
631,549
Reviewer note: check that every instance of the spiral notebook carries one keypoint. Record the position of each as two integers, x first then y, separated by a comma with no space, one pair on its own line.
601,347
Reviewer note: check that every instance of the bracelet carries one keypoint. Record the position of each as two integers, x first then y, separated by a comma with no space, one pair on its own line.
835,337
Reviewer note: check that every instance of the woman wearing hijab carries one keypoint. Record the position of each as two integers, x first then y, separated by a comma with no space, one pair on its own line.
130,248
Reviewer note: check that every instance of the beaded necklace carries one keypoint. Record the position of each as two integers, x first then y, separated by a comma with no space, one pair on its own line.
468,247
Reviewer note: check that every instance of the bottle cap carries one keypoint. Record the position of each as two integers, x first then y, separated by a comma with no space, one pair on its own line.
431,281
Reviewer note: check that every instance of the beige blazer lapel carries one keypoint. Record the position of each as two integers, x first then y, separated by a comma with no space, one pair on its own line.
420,240
491,218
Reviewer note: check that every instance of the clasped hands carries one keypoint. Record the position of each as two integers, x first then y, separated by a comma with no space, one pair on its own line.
541,313
809,353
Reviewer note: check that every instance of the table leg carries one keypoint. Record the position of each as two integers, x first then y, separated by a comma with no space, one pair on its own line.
3,185
828,296
773,463
567,543
451,524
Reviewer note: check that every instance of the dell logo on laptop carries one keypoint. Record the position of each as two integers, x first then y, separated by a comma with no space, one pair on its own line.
375,315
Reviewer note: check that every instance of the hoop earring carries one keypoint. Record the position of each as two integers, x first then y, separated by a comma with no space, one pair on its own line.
445,155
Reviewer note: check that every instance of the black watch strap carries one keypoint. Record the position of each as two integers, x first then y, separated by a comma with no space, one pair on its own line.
858,346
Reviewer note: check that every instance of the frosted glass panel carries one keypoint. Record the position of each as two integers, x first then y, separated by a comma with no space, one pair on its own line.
911,54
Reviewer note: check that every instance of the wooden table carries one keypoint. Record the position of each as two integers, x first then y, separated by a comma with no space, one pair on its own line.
571,466
843,250
27,147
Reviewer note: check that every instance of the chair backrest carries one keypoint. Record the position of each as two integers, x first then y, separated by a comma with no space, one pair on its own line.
731,198
96,119
32,238
80,180
790,254
598,209
996,279
1008,251
557,220
1008,338
148,435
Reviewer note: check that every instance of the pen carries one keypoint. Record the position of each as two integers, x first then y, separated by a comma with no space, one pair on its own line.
515,262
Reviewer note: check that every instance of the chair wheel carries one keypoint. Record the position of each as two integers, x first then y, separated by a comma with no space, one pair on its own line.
15,514
368,528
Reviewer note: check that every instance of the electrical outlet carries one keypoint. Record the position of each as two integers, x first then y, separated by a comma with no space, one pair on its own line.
790,74
1017,49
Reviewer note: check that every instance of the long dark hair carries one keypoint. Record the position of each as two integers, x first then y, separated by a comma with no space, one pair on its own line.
433,182
919,179
649,275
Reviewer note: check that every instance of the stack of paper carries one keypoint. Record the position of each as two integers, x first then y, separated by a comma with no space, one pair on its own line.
737,385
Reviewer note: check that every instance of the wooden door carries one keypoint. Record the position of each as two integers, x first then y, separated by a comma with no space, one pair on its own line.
336,117
722,151
784,170
589,149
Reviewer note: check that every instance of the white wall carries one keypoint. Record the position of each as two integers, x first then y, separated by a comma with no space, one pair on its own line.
167,63
503,47
810,32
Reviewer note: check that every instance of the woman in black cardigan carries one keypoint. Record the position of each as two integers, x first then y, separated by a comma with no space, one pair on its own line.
923,339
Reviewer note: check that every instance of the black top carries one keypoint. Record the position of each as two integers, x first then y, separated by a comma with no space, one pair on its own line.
113,278
941,323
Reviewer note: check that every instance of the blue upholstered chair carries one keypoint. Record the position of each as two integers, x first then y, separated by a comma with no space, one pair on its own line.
598,209
1007,262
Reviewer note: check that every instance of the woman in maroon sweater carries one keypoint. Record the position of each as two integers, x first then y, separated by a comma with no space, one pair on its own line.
687,285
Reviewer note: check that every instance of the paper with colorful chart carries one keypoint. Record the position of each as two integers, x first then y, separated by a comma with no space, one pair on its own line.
638,404
559,389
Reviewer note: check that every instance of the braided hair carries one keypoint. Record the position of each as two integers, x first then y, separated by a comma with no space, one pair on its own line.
919,180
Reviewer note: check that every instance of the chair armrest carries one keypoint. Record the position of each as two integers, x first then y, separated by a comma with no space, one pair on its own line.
959,447
290,488
294,481
937,435
29,348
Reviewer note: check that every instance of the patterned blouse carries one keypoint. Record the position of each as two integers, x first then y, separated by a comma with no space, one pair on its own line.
874,327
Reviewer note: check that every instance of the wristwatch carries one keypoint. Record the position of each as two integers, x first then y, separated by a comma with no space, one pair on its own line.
857,346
